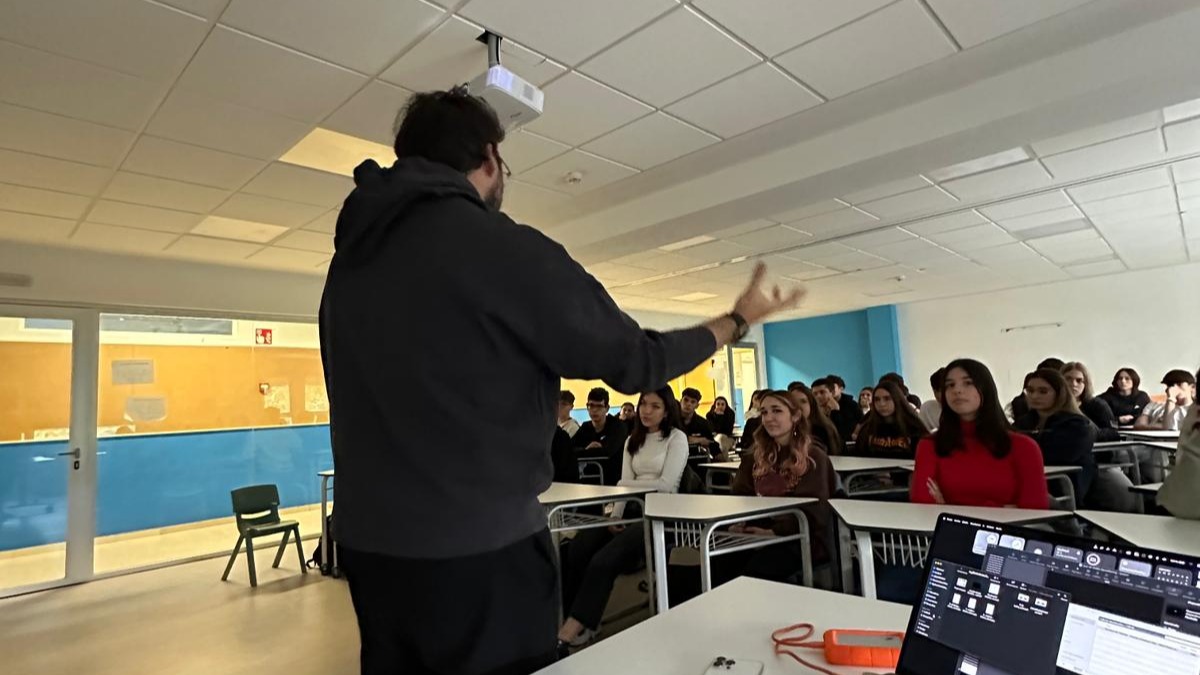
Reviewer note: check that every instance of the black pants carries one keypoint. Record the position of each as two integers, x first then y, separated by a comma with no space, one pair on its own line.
594,560
494,613
778,562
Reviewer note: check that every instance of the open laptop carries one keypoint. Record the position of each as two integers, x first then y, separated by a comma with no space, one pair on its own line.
1007,600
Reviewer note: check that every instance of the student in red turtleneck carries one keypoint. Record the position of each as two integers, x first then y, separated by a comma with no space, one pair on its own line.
974,459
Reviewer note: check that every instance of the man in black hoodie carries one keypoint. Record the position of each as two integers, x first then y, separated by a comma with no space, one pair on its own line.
445,328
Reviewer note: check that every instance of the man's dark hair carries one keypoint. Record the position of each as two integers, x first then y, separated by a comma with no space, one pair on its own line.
598,394
835,380
1177,377
795,386
938,379
448,127
691,393
567,397
1052,363
821,382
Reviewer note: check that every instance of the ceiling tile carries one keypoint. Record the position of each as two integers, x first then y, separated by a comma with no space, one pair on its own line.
1110,156
525,203
894,40
130,36
854,261
151,191
247,71
1072,246
337,153
1050,229
640,67
1005,254
371,113
1188,191
452,55
783,266
113,238
272,256
1186,171
597,172
910,203
26,227
143,217
715,251
203,248
1144,229
874,240
771,238
834,223
1182,111
1121,185
565,30
889,189
722,107
1041,219
268,210
190,163
742,228
300,184
305,240
209,9
364,35
973,238
808,211
954,221
1183,137
913,252
242,230
652,140
774,26
523,150
977,21
1194,249
1098,134
1025,206
19,168
615,273
579,109
1191,225
224,126
1140,255
42,133
42,202
999,182
44,81
326,222
1096,268
1157,201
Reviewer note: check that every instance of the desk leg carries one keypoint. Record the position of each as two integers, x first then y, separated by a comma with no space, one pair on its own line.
866,563
325,565
705,560
658,544
805,549
651,566
845,557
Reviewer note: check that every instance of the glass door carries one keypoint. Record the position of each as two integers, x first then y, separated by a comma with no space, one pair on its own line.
743,370
47,446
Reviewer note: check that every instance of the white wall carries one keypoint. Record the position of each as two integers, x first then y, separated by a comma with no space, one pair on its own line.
1147,319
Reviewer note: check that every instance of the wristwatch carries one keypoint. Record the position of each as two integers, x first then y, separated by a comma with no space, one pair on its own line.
742,327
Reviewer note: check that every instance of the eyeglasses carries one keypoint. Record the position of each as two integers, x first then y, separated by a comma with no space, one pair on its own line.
503,164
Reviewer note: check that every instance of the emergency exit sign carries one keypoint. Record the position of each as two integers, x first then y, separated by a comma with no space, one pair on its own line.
263,336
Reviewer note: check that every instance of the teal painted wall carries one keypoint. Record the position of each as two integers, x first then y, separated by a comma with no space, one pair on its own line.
859,346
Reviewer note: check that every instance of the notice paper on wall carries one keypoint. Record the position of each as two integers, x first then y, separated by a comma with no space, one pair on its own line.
145,408
133,371
279,396
315,399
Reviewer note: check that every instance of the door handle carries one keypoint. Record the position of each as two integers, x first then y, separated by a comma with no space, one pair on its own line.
73,453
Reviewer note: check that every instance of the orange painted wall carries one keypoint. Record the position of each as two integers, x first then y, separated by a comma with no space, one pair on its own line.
698,378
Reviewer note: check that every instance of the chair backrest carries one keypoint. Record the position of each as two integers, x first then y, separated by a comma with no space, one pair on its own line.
255,505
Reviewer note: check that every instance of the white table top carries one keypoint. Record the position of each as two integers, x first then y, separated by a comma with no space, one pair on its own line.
905,517
327,473
721,466
1055,470
848,464
1174,535
734,620
1148,488
706,508
1152,434
566,493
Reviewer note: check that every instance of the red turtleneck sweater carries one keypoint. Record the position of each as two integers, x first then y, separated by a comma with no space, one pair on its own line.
972,476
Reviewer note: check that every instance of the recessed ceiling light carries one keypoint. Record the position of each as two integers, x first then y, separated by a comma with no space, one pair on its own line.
979,165
694,297
687,243
330,151
242,230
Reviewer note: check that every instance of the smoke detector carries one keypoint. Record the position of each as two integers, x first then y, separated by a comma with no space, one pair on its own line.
573,178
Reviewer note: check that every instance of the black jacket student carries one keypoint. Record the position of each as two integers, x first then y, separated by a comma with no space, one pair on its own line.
1066,440
562,457
721,424
1125,405
438,307
611,438
1102,416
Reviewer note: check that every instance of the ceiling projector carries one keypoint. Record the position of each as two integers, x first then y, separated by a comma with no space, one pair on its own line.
515,101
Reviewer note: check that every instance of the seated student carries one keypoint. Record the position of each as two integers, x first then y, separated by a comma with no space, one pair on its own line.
974,459
913,399
1125,398
837,387
1181,392
785,461
931,411
1180,493
844,419
562,457
892,430
603,435
752,420
655,456
1018,407
720,416
566,403
819,425
864,400
695,427
1064,434
1093,407
627,414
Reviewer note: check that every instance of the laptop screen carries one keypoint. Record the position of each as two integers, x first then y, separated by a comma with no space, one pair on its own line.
1006,600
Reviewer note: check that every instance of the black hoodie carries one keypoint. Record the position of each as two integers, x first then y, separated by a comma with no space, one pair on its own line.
1066,439
445,328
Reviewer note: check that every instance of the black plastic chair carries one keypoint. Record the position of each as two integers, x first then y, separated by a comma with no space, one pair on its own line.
257,511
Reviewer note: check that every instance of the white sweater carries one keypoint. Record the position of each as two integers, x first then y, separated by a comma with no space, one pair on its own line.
658,464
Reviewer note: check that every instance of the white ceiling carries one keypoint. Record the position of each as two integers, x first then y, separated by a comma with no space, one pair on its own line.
878,150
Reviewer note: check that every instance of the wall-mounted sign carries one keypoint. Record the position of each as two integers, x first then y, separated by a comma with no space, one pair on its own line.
133,371
264,336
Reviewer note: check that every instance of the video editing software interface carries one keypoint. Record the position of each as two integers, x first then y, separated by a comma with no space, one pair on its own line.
1005,600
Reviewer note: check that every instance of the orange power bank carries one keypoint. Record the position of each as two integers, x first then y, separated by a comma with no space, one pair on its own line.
874,648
